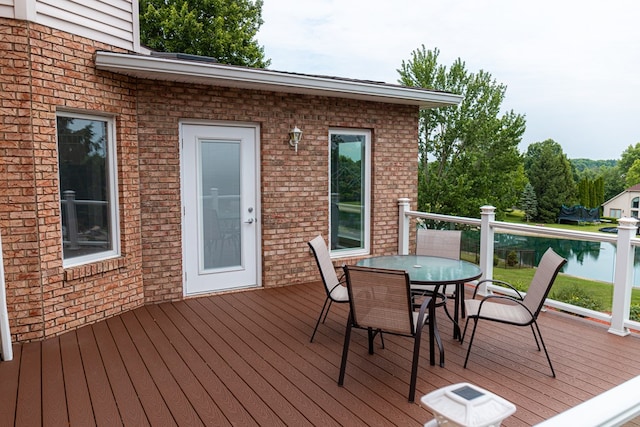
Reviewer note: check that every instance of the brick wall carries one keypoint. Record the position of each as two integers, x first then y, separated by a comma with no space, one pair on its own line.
294,193
44,71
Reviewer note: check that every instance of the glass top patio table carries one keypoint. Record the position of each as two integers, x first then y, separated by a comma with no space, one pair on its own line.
427,270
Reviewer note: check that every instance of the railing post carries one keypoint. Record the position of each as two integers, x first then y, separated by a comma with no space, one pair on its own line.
72,219
403,226
487,215
623,276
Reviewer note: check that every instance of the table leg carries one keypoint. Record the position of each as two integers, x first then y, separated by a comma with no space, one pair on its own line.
458,302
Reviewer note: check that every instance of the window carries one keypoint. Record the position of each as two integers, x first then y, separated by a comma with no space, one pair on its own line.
634,207
349,187
615,213
87,167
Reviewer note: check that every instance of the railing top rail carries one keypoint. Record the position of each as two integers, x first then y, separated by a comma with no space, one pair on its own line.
525,228
446,218
556,232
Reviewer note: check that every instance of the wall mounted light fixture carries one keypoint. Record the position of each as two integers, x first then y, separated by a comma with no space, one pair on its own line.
295,135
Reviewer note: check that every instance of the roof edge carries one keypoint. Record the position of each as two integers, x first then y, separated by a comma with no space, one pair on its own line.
193,71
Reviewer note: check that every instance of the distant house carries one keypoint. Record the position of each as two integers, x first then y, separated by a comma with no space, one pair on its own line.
128,178
625,204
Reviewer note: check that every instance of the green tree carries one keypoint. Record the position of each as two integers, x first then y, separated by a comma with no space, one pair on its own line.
628,158
222,29
633,174
550,174
529,202
468,154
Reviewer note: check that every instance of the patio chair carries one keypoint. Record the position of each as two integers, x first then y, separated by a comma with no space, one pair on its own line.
334,287
518,311
444,244
380,302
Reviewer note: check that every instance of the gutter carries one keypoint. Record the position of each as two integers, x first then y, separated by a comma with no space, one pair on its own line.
168,68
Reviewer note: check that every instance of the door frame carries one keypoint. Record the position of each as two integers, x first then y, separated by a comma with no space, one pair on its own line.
258,197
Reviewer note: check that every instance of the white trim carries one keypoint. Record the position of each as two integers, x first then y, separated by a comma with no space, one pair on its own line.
200,72
257,190
5,331
366,220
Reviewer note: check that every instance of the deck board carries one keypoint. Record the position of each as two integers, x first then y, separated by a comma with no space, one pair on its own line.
79,410
29,402
10,374
54,403
149,396
245,358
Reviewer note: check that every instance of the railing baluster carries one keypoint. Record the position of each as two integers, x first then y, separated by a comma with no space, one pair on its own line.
488,215
403,227
623,276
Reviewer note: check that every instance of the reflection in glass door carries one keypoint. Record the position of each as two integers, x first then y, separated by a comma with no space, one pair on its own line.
219,204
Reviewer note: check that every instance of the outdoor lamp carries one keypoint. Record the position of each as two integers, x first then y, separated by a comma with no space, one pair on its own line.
295,135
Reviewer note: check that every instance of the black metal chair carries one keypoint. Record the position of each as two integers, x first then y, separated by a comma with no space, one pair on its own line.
334,286
380,302
518,311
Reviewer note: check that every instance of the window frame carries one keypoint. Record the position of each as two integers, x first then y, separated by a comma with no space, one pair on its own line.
111,169
366,220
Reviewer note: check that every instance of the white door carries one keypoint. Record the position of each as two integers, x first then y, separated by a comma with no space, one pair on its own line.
220,210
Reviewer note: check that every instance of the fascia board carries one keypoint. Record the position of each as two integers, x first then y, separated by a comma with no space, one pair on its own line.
254,78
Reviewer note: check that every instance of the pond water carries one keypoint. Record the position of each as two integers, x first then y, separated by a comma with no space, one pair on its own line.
590,260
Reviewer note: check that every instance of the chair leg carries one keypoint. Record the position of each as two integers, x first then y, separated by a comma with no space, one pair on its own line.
464,332
345,351
327,312
535,337
414,367
545,350
320,317
370,335
473,333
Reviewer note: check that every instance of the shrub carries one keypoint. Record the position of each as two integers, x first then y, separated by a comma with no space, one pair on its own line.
577,296
634,312
512,258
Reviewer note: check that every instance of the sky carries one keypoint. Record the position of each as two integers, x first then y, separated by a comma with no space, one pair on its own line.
572,68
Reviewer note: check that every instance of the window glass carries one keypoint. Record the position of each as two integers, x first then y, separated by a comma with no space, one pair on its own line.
349,187
634,202
87,188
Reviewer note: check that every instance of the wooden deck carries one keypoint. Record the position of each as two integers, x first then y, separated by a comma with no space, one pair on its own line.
245,359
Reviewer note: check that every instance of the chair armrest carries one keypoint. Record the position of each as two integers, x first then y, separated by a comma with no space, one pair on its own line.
426,304
500,282
342,279
506,298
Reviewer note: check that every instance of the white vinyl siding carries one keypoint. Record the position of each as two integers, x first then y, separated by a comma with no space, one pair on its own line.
114,22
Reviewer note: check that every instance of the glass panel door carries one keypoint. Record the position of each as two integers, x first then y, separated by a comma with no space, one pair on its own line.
219,208
220,225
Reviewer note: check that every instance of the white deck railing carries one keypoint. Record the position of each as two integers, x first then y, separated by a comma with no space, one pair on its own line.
625,242
612,408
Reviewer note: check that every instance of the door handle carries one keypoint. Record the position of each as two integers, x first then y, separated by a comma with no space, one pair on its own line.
249,221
